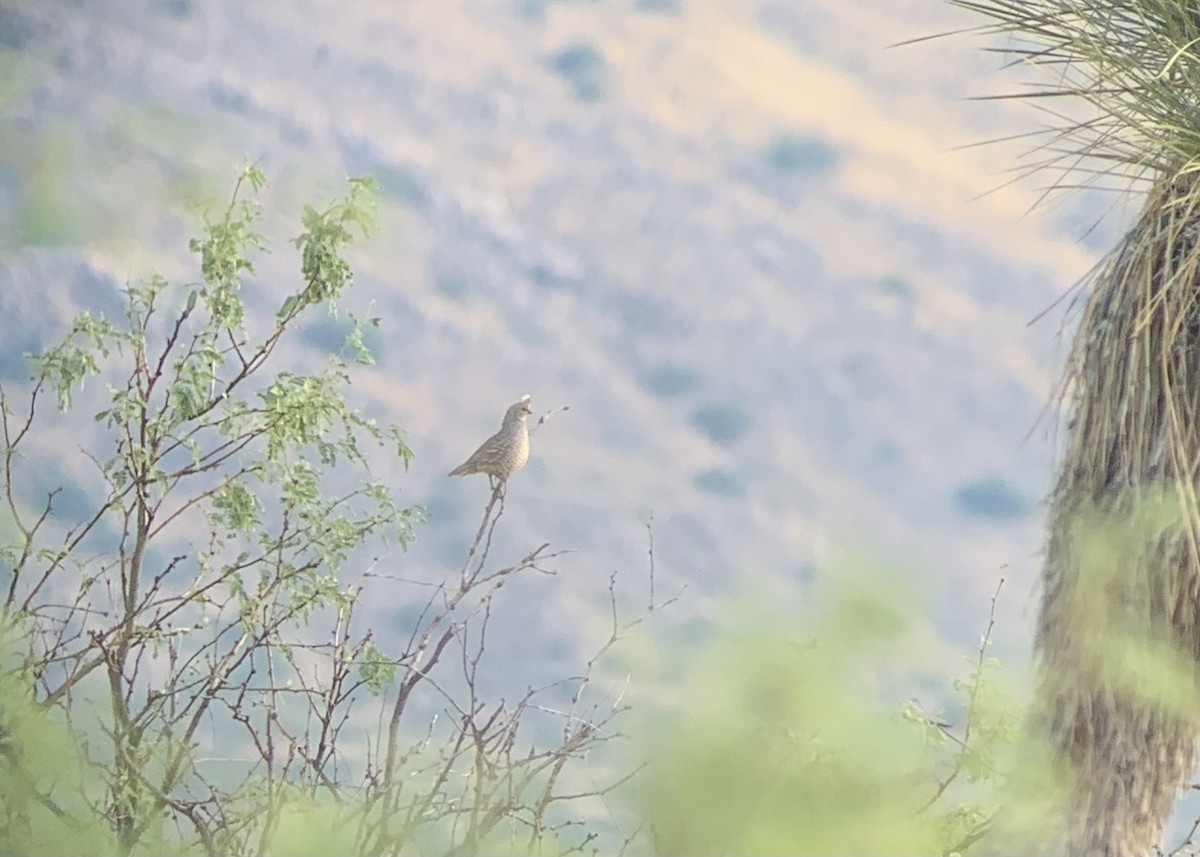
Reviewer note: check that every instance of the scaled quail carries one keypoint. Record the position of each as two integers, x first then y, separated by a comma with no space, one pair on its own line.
506,451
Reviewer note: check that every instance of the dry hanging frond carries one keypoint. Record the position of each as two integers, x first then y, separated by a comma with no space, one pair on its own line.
1118,634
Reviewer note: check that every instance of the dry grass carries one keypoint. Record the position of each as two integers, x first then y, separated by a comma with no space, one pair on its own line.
1118,634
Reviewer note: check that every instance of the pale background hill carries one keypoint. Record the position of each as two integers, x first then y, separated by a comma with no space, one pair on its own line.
742,241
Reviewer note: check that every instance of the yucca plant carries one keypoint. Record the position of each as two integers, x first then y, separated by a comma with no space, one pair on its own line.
1118,637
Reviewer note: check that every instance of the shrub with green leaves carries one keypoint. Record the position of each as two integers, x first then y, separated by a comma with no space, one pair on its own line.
181,664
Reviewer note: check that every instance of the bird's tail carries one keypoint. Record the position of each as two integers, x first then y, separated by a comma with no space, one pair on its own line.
461,470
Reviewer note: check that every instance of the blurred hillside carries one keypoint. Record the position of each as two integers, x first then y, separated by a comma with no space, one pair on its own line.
741,241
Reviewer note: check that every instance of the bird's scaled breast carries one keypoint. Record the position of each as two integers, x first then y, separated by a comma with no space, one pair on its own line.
521,449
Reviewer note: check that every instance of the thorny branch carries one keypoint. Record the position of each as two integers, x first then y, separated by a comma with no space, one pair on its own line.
182,614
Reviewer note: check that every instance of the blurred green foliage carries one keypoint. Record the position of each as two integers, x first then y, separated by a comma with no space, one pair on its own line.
48,215
44,788
773,742
67,172
790,743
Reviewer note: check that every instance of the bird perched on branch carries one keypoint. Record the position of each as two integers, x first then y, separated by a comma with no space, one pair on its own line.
506,451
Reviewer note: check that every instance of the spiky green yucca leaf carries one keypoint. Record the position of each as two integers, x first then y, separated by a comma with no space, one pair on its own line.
1136,63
